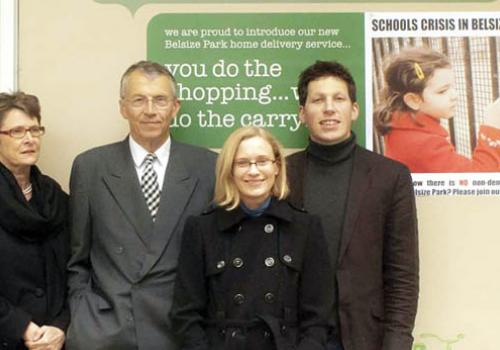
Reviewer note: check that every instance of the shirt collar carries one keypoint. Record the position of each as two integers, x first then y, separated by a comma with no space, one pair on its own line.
279,209
139,153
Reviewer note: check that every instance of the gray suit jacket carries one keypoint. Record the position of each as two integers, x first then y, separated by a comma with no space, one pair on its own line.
123,266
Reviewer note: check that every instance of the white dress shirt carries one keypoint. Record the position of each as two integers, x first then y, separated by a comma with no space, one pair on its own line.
160,163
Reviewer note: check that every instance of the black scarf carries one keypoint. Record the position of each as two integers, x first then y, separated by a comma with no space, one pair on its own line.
43,221
35,221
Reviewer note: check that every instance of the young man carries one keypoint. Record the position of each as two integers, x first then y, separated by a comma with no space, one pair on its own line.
129,201
367,207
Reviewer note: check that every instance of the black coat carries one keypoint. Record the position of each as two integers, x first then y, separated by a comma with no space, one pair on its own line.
33,255
253,283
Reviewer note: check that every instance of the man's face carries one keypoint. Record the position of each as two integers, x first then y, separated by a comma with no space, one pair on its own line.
328,111
149,105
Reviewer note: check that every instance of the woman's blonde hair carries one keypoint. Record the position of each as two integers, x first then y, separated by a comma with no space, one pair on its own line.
226,192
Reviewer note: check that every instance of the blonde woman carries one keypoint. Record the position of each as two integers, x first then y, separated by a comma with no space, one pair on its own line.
253,272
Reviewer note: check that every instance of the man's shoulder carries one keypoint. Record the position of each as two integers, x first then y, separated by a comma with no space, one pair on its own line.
379,161
192,149
296,157
98,152
194,157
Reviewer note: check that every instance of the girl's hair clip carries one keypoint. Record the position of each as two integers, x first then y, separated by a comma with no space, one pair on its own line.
418,71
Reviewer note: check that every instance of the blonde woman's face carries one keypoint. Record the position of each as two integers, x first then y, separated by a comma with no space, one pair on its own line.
254,171
439,98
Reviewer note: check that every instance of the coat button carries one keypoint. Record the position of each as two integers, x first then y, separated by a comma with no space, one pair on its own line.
287,258
221,264
284,329
237,262
39,292
239,299
269,262
269,228
269,298
267,334
119,250
222,332
235,333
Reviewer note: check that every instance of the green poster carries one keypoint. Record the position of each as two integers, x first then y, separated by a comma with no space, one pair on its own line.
235,70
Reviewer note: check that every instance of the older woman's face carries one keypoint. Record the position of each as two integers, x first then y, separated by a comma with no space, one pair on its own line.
18,153
254,171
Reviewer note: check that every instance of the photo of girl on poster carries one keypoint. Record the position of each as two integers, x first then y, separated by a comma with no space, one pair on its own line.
427,116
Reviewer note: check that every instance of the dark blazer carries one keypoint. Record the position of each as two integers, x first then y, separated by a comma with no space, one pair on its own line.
377,272
33,255
261,283
123,266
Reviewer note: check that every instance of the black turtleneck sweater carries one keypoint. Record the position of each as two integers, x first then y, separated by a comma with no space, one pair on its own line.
327,177
326,186
328,172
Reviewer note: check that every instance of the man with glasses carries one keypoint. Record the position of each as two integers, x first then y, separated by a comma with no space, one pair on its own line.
129,201
367,207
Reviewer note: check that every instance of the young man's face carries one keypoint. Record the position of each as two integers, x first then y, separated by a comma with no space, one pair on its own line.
328,111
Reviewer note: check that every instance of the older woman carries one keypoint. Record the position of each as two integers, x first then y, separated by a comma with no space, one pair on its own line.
33,239
253,271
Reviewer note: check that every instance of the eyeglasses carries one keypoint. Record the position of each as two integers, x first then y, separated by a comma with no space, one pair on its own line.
160,101
245,164
20,131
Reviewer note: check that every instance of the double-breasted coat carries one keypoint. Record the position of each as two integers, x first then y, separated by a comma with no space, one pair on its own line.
253,283
123,265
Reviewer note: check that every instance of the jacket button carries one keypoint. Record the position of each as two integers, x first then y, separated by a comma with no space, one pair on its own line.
238,262
269,228
119,250
221,264
269,298
235,333
283,329
267,334
269,262
39,292
287,258
222,332
239,299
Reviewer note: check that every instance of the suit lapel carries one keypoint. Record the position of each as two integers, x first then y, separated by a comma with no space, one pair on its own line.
177,189
358,187
123,184
296,177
